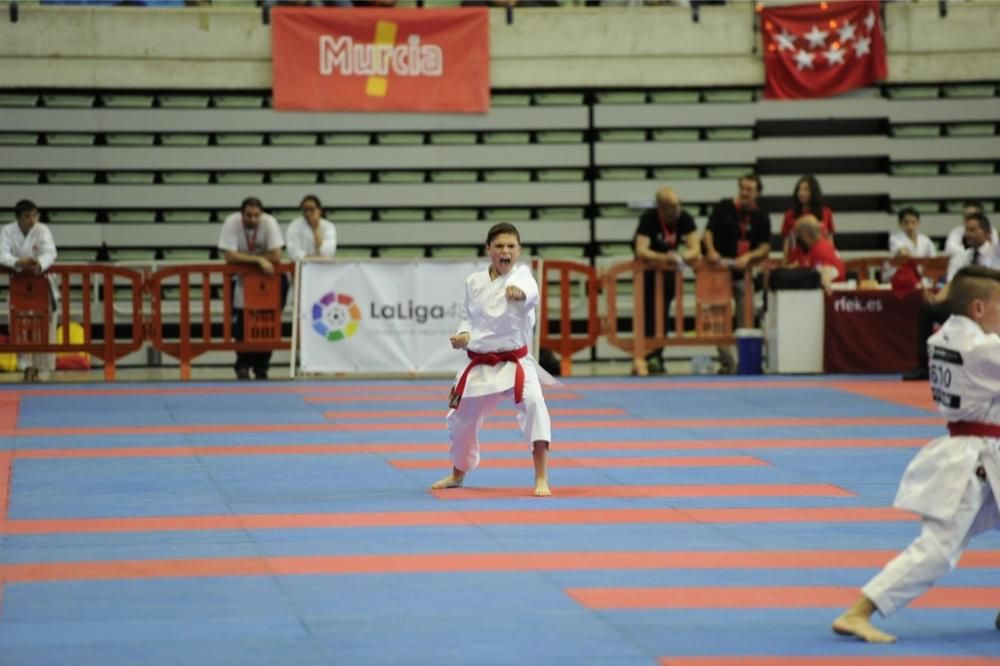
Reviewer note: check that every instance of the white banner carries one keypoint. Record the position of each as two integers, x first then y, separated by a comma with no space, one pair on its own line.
381,316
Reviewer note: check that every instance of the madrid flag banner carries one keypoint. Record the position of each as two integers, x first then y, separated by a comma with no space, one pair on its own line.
823,49
423,60
381,316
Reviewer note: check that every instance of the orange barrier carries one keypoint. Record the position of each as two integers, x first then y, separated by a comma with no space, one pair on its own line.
213,284
713,314
566,344
31,311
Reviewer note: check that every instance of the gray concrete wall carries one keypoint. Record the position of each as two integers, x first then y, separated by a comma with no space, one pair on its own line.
229,48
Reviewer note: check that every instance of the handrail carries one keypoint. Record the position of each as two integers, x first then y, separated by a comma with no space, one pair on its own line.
262,310
31,310
566,344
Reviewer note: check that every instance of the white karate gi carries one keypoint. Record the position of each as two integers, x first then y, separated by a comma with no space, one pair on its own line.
38,244
495,324
940,483
300,241
921,248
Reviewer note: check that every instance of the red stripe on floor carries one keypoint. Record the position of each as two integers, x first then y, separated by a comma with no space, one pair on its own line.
686,490
783,598
647,461
470,517
6,474
440,413
506,425
10,403
909,394
417,447
472,562
857,660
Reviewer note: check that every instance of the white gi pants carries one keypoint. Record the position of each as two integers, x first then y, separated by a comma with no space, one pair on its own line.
465,421
935,552
44,362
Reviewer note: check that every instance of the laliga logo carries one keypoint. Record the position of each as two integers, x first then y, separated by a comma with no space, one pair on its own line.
336,316
379,59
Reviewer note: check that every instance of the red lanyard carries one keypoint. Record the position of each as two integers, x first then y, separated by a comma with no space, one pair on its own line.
251,240
669,239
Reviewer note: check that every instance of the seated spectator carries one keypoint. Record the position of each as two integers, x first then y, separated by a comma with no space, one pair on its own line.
311,235
955,243
814,250
908,242
807,199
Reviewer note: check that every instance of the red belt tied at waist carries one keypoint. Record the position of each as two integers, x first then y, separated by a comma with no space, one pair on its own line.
492,358
973,429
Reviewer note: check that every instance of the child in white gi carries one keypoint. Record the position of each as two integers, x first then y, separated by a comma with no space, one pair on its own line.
954,481
26,246
497,323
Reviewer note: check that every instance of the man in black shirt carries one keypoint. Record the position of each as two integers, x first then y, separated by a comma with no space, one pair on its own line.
738,231
665,238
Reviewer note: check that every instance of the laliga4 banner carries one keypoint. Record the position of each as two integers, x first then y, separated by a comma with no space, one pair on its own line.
381,317
424,60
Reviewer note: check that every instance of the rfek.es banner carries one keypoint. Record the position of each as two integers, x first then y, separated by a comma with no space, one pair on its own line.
337,59
381,317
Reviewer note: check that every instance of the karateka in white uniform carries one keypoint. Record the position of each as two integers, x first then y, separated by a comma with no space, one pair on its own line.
27,246
954,481
496,329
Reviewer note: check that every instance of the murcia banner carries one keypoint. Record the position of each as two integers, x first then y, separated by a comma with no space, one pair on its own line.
381,317
337,59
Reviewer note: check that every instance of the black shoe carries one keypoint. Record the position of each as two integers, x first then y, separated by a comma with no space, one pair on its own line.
260,375
998,621
916,375
242,374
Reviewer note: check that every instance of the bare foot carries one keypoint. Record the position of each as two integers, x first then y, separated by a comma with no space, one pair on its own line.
857,624
451,481
542,489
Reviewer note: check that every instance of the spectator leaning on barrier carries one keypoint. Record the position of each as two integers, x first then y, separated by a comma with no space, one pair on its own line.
311,235
738,233
27,246
807,199
980,252
665,238
251,237
814,250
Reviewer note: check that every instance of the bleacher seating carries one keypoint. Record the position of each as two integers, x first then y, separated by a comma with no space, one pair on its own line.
139,172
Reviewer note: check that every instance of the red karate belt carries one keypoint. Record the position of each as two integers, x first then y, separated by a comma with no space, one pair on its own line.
492,358
973,429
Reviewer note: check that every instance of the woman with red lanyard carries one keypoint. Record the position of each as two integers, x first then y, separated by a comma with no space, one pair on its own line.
807,199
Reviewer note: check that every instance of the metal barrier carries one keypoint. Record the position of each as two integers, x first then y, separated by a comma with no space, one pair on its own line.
566,343
212,284
713,309
31,309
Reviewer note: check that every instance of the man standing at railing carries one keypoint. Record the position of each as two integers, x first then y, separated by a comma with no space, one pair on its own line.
740,233
27,246
251,237
665,239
